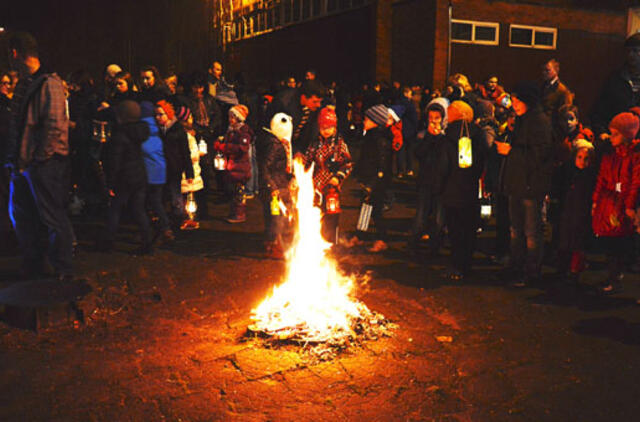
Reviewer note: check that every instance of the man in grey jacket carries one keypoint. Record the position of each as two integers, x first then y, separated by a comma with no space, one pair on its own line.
37,157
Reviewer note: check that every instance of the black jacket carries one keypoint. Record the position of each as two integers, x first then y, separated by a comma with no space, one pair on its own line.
457,186
375,156
427,151
575,191
176,153
528,167
272,161
125,167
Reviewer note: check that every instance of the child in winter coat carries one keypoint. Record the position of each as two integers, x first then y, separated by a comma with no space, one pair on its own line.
126,175
614,197
189,187
236,146
427,152
456,180
574,218
276,178
177,156
332,164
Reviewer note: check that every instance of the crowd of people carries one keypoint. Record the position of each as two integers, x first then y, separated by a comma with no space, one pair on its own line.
158,147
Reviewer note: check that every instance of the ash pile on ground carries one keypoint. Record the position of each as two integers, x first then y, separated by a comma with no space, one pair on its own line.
369,326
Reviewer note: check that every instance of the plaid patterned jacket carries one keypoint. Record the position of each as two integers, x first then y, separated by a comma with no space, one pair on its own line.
332,159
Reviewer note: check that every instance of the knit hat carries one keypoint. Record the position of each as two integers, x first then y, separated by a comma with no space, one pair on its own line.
632,41
183,114
146,109
127,111
627,124
528,92
168,109
240,112
459,110
112,70
378,114
327,118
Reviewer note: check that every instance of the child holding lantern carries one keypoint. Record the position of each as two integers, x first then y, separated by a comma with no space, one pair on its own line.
235,148
332,164
189,187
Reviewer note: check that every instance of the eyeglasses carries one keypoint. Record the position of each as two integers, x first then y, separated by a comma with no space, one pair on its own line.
8,83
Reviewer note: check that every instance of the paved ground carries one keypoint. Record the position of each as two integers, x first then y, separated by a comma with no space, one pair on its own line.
164,341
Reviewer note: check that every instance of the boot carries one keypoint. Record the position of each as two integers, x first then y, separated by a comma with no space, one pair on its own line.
237,213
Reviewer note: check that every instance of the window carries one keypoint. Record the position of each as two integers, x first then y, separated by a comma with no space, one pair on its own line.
287,11
306,9
317,7
532,37
296,10
474,32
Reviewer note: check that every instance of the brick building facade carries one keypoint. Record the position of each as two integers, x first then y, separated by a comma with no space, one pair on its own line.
409,41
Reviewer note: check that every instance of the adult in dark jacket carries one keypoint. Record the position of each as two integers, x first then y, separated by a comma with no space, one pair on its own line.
374,166
6,232
276,175
456,180
177,156
427,152
621,91
302,105
526,179
126,175
152,87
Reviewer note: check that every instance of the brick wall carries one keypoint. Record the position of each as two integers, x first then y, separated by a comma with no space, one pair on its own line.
589,45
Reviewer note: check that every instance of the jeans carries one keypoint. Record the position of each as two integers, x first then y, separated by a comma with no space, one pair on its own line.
154,202
135,198
527,243
39,196
423,210
252,184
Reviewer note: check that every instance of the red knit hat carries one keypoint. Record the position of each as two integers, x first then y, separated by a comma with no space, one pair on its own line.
627,124
327,118
168,109
240,112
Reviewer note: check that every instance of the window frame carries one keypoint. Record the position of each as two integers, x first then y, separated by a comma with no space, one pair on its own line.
534,29
473,24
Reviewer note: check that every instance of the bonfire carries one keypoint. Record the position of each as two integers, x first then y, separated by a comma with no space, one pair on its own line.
315,303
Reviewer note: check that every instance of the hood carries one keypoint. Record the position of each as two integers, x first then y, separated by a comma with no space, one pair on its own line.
441,104
137,132
153,126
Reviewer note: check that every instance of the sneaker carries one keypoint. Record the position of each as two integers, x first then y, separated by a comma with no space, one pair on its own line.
454,275
520,283
249,195
378,246
236,219
610,287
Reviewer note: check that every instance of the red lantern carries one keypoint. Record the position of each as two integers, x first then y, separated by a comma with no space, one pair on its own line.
332,201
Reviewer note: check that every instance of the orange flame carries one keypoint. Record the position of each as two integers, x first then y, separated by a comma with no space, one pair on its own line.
315,297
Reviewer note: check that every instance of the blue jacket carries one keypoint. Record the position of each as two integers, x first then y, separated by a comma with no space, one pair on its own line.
153,155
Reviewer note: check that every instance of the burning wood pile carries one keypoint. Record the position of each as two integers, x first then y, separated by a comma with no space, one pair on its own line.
315,305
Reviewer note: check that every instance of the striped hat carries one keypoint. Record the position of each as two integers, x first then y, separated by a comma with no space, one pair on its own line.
378,114
183,114
240,112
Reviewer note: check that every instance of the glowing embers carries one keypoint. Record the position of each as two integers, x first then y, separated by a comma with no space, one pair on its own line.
315,303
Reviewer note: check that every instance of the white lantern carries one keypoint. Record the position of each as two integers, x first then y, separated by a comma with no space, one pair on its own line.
191,207
220,162
202,147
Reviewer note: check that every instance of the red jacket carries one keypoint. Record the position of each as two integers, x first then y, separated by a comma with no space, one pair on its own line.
616,190
235,147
